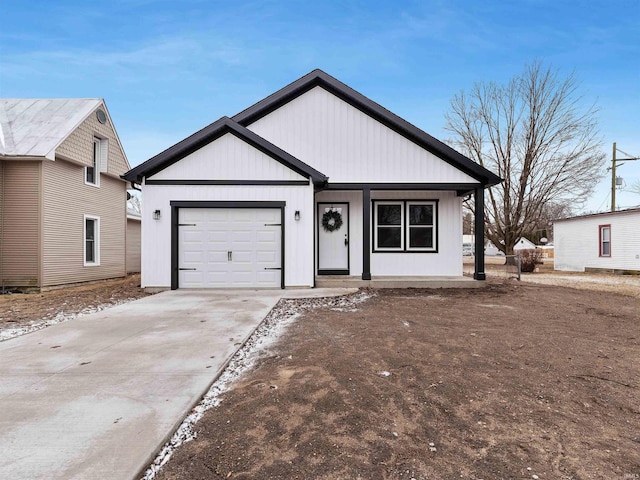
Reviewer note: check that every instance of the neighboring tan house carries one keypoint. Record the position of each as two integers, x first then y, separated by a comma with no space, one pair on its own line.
133,241
312,182
607,242
63,211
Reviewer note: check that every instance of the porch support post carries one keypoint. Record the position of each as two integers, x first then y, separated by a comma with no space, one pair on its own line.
479,273
366,234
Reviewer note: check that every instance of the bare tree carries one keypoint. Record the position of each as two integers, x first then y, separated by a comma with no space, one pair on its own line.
535,133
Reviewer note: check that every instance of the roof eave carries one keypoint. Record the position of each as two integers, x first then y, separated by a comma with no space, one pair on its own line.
411,132
207,135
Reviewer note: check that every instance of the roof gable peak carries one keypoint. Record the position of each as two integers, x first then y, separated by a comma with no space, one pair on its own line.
322,79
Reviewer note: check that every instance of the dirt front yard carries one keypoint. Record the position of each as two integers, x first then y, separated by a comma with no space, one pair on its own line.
511,381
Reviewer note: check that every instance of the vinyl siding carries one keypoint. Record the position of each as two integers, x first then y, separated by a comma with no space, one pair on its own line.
20,210
577,242
66,200
133,245
347,145
78,146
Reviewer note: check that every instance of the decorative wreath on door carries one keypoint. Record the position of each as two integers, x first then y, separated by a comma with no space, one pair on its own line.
331,220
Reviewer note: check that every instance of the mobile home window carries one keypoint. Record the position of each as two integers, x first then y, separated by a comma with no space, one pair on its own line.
605,240
91,240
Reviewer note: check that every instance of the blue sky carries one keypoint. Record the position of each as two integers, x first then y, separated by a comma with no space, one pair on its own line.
168,68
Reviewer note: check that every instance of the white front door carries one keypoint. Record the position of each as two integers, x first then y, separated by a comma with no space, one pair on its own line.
229,248
333,238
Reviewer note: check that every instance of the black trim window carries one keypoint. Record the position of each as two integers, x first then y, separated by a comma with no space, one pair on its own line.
405,226
421,226
389,226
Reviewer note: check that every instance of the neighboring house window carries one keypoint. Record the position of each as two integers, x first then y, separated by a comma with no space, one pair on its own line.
405,226
91,240
605,240
92,172
98,162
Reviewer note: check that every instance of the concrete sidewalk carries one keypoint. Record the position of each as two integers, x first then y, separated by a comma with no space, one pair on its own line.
95,397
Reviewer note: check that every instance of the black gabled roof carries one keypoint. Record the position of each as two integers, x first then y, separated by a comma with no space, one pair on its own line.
411,132
212,132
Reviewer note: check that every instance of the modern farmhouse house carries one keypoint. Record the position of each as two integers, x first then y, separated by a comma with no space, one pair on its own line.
607,241
62,202
314,180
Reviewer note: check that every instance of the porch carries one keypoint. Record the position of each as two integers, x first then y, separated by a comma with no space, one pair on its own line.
388,281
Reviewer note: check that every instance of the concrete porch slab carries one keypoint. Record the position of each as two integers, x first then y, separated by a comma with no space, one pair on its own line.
344,281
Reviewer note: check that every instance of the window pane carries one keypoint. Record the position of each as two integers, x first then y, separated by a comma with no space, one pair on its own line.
421,237
90,175
606,249
389,214
606,233
420,214
90,230
389,237
89,251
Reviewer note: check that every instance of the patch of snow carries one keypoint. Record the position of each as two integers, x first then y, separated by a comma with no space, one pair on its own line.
8,333
281,316
384,373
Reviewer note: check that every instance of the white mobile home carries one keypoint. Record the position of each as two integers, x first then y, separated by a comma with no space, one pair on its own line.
315,179
603,241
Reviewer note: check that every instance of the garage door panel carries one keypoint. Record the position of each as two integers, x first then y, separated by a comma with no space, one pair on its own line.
267,277
267,256
218,231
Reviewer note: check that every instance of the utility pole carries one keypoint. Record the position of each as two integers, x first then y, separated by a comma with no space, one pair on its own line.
613,172
613,179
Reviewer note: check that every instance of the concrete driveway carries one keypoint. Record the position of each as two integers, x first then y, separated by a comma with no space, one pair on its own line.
95,397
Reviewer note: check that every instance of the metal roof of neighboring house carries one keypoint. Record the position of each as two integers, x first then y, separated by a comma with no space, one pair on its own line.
589,215
133,215
35,127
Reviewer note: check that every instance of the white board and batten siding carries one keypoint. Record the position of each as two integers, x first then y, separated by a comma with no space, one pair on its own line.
448,260
227,158
232,159
577,242
349,146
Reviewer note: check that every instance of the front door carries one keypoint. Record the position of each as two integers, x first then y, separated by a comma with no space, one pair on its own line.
333,239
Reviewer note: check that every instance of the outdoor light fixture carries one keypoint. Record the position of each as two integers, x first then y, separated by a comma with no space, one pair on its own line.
156,214
297,215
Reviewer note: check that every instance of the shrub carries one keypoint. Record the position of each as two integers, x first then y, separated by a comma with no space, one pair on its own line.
529,259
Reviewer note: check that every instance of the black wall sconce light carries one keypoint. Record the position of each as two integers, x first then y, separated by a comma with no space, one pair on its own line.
297,215
156,214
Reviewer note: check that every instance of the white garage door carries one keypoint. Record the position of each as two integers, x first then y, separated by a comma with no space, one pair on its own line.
229,248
